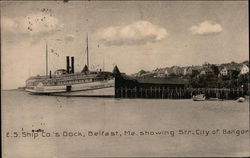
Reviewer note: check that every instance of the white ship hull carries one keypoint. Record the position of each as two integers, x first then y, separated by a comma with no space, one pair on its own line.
101,92
98,88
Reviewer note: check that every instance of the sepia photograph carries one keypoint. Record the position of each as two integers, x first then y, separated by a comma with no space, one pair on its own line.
124,79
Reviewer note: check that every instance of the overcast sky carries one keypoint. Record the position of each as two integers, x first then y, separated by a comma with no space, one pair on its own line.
132,35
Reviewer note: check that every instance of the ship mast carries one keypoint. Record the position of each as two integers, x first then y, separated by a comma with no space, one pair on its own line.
46,59
103,63
87,49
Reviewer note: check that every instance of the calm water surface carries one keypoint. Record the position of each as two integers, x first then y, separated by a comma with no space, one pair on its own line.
22,112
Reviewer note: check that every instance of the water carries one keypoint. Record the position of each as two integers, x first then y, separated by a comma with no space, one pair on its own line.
22,112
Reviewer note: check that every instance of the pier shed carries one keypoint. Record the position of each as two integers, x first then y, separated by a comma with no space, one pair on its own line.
149,87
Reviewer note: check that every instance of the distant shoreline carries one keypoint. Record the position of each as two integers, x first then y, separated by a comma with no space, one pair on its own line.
13,89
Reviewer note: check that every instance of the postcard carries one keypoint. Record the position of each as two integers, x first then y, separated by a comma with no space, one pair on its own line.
124,79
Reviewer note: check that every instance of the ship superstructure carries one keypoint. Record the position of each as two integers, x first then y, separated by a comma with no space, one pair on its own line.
67,81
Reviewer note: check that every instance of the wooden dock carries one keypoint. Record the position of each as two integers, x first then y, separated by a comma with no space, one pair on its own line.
128,87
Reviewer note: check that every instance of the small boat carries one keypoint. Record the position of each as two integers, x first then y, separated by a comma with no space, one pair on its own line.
199,97
241,99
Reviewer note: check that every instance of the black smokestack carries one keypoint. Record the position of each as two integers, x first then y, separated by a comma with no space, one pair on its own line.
50,74
67,64
72,65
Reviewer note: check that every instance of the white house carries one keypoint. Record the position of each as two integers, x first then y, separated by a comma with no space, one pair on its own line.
187,71
203,72
168,71
223,71
244,69
159,72
176,70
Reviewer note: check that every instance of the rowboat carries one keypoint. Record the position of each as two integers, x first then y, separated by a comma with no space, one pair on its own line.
241,99
199,97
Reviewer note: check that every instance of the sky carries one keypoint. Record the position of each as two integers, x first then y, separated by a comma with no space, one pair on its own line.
132,35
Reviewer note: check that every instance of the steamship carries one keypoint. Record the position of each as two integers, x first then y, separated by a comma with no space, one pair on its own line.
70,83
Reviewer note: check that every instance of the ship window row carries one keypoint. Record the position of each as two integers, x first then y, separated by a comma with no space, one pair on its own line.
71,82
75,77
75,81
80,80
53,83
